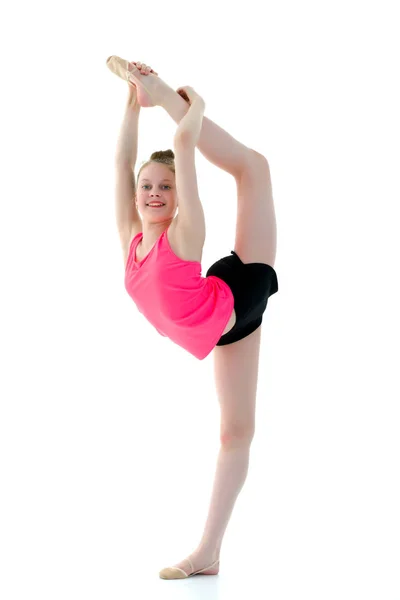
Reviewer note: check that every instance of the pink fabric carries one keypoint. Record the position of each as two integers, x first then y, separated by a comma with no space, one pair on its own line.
171,293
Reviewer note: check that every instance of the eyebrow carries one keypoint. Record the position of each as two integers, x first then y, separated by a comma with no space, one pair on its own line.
161,179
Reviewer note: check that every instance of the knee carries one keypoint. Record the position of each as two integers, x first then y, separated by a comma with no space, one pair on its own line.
252,160
236,436
255,160
259,158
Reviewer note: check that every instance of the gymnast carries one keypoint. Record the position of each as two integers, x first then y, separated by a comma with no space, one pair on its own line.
162,250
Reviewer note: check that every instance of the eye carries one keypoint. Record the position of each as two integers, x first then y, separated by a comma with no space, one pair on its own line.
147,185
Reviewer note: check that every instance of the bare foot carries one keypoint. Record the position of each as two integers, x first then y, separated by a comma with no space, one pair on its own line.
197,562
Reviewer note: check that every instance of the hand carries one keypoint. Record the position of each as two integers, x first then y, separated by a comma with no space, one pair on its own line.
189,95
144,69
189,128
140,92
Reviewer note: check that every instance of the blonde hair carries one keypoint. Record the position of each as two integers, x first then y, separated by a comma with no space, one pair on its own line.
164,157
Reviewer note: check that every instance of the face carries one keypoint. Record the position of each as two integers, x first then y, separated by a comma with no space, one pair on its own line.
156,184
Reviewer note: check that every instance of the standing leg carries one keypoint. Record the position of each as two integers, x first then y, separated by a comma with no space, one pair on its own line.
236,374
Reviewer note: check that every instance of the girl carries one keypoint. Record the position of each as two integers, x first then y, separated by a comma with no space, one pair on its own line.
162,254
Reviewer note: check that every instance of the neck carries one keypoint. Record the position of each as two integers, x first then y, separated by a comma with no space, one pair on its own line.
152,231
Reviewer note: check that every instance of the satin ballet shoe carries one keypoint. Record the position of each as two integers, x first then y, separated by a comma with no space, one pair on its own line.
121,67
177,573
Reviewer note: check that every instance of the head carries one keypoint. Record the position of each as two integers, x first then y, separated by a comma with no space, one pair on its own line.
156,183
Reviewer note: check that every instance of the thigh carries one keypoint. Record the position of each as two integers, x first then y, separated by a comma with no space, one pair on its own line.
251,284
256,236
236,375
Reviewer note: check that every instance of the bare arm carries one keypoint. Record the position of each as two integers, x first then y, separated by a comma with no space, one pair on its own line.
191,214
125,160
189,127
126,151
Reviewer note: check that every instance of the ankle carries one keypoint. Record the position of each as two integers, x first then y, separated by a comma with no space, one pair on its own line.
171,102
209,551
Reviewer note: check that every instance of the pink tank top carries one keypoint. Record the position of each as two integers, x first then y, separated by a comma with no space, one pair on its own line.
171,293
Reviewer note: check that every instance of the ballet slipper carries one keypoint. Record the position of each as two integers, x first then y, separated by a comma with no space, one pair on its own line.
122,68
177,573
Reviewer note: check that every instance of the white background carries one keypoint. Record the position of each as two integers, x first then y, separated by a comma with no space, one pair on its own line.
109,432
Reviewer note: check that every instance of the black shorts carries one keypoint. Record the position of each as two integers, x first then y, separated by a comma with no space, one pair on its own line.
251,284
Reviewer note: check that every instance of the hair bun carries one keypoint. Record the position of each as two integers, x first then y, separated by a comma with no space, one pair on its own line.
163,156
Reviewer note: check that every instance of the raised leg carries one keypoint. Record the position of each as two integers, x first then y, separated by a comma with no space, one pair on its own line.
256,228
256,231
